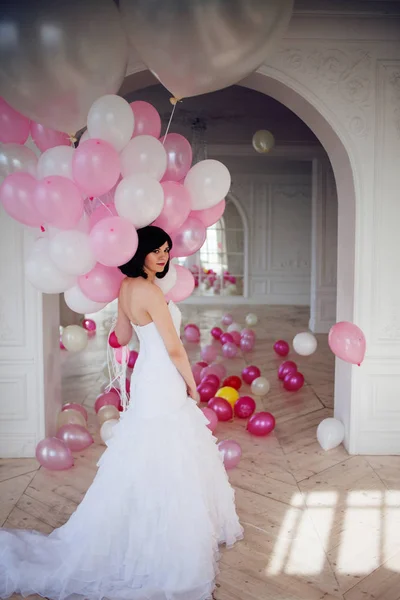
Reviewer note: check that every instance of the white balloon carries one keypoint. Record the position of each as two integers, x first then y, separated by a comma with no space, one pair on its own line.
83,226
167,283
305,343
42,273
251,320
14,157
71,252
74,338
234,327
144,154
106,430
140,199
260,386
79,303
208,183
56,161
330,433
85,136
111,119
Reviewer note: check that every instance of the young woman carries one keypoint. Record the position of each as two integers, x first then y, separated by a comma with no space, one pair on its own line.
150,524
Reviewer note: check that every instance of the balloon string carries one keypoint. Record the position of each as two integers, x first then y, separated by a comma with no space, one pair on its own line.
105,206
169,123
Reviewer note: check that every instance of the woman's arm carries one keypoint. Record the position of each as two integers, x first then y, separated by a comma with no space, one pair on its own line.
159,313
123,328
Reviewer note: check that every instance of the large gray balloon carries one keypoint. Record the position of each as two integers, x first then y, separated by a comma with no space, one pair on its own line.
58,56
199,46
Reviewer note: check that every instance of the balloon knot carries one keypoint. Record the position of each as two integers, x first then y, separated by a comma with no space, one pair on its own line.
72,138
91,198
175,100
42,229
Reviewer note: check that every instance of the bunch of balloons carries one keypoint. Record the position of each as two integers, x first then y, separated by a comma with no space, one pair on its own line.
55,453
89,201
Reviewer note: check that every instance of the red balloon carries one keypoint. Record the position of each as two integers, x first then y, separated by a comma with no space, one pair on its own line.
285,368
281,348
250,373
261,423
244,407
222,408
293,381
216,332
202,364
226,338
106,399
133,356
207,390
233,381
113,341
212,379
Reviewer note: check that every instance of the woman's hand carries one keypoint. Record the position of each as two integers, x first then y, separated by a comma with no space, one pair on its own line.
193,393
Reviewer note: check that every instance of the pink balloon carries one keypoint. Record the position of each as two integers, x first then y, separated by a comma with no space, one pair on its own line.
76,437
211,417
212,379
216,332
14,127
226,338
293,381
347,342
250,373
113,340
214,369
189,238
244,407
222,409
102,283
207,390
246,344
179,156
210,216
46,138
184,285
227,319
147,119
114,241
236,337
231,453
89,324
75,406
58,201
17,197
248,333
285,368
131,357
197,370
229,350
281,348
95,167
176,207
261,423
107,399
102,212
192,334
54,454
209,353
202,364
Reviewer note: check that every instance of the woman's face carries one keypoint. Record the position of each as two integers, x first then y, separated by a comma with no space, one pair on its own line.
155,261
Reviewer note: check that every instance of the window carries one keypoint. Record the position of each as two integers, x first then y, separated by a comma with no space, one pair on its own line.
218,267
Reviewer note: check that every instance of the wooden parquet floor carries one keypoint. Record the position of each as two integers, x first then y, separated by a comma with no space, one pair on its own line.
318,525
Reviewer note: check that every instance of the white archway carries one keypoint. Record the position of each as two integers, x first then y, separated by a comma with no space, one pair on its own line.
329,130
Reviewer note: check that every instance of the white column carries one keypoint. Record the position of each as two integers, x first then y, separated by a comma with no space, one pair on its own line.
323,247
30,389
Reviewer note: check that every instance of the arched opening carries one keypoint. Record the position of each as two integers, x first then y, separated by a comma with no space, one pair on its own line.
303,102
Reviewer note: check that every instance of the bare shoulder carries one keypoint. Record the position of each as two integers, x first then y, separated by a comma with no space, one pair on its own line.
141,288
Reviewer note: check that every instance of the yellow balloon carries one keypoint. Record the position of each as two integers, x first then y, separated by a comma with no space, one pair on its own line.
70,417
263,141
107,412
229,394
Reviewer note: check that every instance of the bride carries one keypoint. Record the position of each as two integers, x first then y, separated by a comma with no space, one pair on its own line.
149,526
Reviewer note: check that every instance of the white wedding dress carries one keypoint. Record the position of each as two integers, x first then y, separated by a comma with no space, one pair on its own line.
149,526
